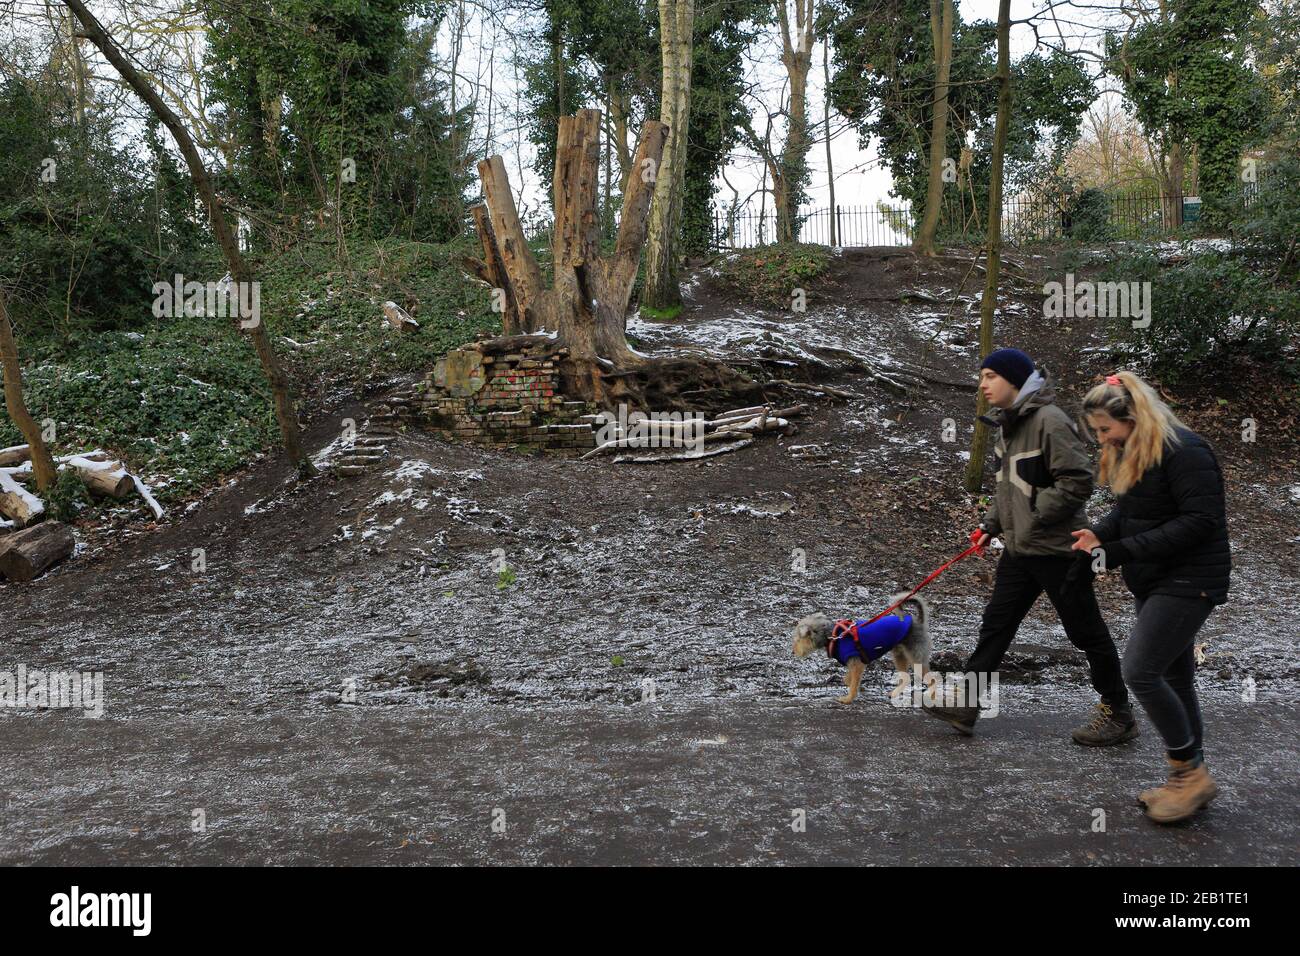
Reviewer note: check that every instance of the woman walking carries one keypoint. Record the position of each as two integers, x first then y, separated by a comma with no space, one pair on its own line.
1169,534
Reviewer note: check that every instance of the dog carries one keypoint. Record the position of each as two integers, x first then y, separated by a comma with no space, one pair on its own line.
817,630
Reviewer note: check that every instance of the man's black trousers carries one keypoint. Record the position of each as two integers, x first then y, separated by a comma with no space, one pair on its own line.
1019,582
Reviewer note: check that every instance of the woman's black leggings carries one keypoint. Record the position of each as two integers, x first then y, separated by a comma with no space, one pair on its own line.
1160,667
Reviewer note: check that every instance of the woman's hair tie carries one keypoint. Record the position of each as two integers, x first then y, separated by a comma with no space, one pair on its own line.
1114,380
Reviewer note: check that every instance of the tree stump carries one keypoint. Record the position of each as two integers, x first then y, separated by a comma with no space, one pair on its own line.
586,307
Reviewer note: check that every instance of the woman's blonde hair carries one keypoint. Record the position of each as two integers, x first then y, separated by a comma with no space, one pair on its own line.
1126,398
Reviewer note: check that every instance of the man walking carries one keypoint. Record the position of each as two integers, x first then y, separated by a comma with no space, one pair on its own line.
1044,480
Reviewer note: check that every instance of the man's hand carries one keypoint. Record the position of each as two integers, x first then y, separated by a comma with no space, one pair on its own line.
979,537
1084,540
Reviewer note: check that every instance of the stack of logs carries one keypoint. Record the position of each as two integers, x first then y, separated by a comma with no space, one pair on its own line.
35,544
677,440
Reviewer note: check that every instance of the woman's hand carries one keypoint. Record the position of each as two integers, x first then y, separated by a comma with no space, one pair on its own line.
1084,540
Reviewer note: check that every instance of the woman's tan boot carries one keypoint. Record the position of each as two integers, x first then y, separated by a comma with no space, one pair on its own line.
1189,789
1148,797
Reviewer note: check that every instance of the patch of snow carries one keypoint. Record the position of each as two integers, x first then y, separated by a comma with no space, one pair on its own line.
323,458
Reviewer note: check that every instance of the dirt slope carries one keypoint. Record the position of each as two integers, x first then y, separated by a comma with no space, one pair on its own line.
344,596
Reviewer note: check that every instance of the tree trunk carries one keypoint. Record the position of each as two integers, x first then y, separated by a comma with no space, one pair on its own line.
239,272
618,110
941,31
42,463
1174,197
676,24
979,443
493,269
793,158
830,169
796,55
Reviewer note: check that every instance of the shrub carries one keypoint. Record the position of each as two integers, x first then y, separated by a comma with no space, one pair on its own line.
1089,217
770,273
1207,308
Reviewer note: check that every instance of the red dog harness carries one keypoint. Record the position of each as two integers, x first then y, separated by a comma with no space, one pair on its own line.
871,639
879,643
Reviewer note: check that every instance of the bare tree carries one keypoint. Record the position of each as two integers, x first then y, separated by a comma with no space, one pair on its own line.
226,240
787,165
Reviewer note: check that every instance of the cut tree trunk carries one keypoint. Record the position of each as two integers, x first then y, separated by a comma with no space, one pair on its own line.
492,269
15,455
586,307
26,554
106,478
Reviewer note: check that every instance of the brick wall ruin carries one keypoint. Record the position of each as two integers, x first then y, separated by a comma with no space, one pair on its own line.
502,399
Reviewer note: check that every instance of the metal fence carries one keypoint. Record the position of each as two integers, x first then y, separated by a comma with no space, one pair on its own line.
1024,219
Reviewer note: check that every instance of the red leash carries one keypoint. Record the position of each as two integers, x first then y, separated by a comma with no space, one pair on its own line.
974,548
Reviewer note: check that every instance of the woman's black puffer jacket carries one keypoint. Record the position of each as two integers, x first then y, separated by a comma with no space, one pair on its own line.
1169,531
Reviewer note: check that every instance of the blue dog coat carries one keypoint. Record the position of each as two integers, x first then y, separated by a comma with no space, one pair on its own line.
868,641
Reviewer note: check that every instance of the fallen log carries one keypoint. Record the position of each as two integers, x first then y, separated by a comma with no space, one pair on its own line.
815,389
17,503
399,319
657,441
143,490
683,455
107,478
757,424
729,417
15,454
27,554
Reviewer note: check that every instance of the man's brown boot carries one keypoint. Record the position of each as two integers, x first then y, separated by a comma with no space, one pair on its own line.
961,718
1108,726
1188,791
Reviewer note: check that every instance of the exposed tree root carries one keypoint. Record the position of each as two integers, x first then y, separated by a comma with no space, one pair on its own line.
677,384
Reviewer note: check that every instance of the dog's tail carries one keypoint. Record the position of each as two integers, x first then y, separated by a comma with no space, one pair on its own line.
915,606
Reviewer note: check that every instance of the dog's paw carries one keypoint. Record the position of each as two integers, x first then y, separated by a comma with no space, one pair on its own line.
846,699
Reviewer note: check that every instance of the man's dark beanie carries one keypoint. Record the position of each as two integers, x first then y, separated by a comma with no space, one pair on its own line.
1012,364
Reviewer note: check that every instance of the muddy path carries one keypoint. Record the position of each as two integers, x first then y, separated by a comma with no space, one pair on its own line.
377,603
651,784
